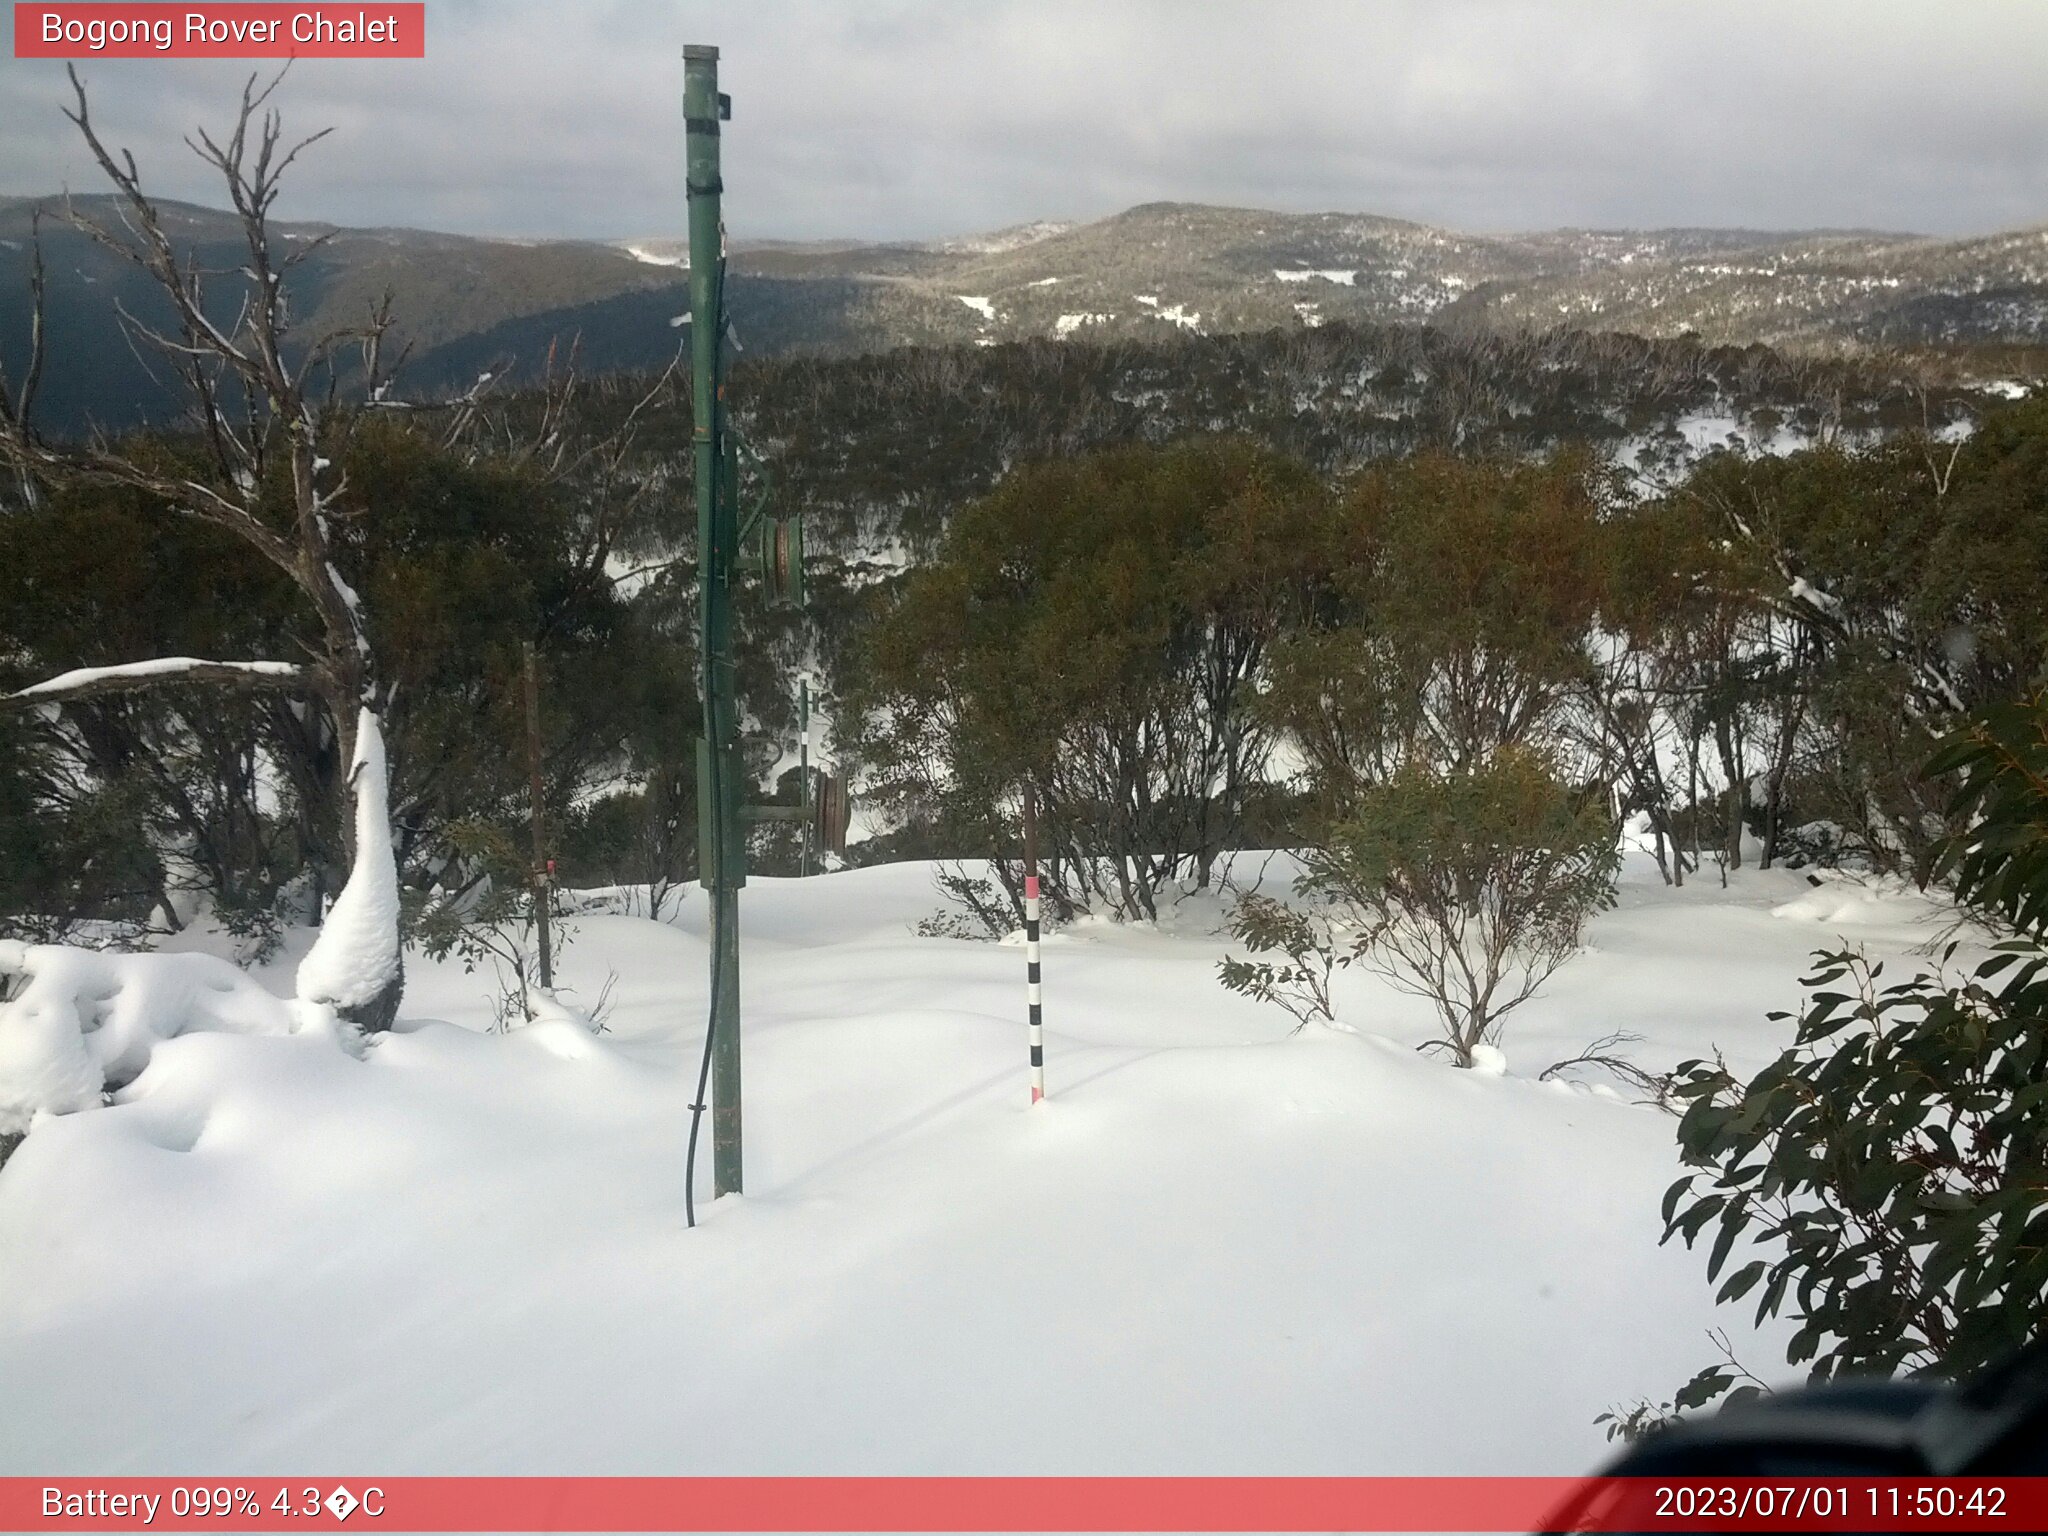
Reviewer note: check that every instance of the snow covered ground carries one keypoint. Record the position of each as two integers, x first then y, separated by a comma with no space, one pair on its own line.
1217,1249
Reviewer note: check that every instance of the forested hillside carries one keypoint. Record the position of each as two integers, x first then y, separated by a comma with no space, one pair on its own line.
466,307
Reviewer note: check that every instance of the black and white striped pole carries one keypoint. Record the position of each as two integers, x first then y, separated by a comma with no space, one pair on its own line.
1033,1000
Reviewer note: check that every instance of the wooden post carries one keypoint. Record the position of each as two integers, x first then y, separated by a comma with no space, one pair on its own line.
543,875
803,759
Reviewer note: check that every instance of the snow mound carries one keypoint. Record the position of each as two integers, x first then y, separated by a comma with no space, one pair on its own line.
1489,1061
1883,901
558,1028
87,1020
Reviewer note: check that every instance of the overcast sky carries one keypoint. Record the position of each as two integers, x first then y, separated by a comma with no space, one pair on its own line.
918,118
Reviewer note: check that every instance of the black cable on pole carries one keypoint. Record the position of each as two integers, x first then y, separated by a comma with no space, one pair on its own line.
717,793
703,1082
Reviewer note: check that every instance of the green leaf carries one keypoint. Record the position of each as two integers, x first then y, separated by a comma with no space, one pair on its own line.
1742,1282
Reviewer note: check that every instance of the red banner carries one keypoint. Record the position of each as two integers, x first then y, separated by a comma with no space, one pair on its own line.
395,1504
215,31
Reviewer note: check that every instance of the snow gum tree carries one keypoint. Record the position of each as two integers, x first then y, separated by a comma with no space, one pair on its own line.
1455,600
262,405
1896,593
1426,698
1096,626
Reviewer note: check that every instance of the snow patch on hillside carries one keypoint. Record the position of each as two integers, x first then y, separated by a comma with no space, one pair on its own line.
658,258
1344,276
980,304
1066,325
999,241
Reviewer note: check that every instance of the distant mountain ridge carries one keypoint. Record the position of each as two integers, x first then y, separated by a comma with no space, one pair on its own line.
467,305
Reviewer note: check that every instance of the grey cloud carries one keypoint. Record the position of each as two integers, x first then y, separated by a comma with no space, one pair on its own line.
913,118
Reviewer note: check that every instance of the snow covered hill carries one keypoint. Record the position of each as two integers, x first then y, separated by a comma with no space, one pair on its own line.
468,305
1219,1248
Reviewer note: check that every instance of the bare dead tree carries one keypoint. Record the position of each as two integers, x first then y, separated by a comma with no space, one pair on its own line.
270,434
17,407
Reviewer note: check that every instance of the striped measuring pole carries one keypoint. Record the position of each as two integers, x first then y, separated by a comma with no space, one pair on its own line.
1033,1000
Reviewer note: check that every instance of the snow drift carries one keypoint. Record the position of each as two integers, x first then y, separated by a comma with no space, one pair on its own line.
85,1021
1218,1248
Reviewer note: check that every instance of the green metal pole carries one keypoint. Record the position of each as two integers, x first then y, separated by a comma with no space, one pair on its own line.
721,856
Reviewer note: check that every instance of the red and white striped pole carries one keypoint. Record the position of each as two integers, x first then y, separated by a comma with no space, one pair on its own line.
1031,983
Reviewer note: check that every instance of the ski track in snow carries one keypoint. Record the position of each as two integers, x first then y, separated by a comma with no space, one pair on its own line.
1219,1248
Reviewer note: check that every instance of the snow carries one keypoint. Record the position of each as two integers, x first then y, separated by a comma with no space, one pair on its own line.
353,603
356,955
658,258
1002,240
981,306
85,1020
161,666
1041,282
1066,325
1220,1247
1344,276
1881,903
1806,592
1179,315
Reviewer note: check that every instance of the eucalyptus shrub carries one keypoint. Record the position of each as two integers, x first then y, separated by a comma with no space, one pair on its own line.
1467,887
1887,1177
1298,983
